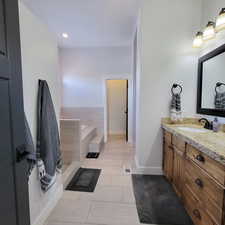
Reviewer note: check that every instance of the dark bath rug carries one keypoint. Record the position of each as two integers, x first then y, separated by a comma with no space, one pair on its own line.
92,155
84,180
157,203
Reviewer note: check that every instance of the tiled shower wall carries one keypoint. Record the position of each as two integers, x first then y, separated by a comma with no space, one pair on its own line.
91,116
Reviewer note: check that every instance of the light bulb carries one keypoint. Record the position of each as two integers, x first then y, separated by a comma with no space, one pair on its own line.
220,22
209,32
65,35
198,41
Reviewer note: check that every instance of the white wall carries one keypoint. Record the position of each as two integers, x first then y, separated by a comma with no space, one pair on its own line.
39,60
83,71
210,10
135,67
165,46
117,101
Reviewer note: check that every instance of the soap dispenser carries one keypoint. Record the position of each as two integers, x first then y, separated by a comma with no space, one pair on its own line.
216,125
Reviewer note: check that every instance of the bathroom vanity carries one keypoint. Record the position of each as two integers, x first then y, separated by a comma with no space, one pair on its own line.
194,163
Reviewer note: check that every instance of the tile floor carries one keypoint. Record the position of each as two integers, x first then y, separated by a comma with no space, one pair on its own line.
113,201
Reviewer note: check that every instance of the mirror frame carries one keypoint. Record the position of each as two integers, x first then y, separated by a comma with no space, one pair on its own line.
200,110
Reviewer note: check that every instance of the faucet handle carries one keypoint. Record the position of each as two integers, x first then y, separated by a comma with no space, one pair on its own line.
208,125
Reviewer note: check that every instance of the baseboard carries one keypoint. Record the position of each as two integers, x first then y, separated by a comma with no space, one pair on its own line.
41,219
146,170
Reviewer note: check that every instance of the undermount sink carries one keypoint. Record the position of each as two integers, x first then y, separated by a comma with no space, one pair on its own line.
192,129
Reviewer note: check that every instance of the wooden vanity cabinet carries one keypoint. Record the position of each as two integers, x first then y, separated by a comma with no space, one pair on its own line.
178,172
168,156
197,179
213,168
178,164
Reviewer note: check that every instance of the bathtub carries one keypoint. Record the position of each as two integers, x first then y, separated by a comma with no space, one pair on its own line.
75,138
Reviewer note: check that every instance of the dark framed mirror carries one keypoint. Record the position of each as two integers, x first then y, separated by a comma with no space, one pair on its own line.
211,83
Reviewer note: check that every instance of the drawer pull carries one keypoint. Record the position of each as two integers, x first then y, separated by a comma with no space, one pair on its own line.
199,183
197,214
200,158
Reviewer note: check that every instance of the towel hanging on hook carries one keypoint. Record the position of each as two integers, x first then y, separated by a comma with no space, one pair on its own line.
175,107
174,86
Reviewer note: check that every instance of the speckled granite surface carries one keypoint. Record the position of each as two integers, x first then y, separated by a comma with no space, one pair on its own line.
209,142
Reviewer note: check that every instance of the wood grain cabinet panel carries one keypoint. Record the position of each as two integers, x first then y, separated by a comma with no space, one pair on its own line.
178,143
194,209
178,172
168,161
168,138
212,167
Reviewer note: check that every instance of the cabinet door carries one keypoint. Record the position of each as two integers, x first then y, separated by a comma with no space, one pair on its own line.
14,204
178,172
168,162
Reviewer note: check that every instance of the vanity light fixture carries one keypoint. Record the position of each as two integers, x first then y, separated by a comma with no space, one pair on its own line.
198,41
65,35
209,32
220,21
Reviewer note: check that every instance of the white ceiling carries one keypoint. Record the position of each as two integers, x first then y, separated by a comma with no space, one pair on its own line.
89,22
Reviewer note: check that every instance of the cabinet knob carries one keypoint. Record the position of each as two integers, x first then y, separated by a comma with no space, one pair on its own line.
200,158
199,183
197,214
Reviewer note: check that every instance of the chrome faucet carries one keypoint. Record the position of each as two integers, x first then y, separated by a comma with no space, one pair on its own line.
207,125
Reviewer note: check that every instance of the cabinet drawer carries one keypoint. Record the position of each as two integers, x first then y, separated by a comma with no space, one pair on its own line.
209,194
168,137
178,143
214,168
195,211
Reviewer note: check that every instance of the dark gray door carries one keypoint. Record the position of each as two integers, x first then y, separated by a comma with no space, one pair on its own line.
14,207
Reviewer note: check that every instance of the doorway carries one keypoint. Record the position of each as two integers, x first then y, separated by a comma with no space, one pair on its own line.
117,108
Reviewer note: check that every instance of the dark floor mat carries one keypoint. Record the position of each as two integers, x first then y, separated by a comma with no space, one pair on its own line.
92,155
156,201
84,180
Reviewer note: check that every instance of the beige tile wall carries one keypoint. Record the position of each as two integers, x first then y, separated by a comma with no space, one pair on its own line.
88,116
70,136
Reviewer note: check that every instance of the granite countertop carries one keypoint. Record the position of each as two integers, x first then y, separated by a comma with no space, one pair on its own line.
209,142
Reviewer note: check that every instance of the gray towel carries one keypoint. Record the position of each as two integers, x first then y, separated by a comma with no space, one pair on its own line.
48,143
176,102
175,108
31,156
220,100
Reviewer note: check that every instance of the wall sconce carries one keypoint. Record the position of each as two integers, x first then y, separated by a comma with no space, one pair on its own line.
209,32
198,41
220,22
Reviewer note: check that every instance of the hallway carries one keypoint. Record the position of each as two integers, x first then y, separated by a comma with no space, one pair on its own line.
113,200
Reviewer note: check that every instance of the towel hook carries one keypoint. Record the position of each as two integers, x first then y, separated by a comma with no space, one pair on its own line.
218,84
176,86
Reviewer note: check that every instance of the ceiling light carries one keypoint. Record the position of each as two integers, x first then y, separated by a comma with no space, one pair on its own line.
209,32
65,35
220,22
198,41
